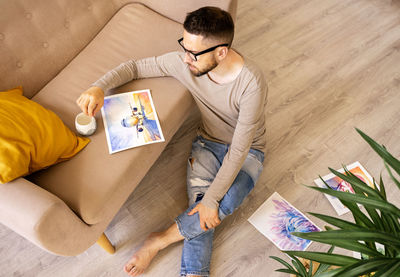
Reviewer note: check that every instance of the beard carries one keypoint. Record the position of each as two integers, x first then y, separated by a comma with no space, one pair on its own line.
200,72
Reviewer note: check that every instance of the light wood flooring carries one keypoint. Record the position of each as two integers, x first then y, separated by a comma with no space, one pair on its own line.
331,65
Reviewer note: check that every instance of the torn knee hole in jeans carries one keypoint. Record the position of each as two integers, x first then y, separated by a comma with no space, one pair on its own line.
198,196
198,182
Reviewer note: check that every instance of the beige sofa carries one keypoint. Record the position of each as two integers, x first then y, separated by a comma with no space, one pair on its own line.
55,50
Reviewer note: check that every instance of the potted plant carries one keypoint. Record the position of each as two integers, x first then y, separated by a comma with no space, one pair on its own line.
375,225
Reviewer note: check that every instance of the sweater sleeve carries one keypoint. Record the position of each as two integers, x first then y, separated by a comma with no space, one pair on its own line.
251,109
165,65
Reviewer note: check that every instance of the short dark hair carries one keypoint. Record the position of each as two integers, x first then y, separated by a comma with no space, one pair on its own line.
211,22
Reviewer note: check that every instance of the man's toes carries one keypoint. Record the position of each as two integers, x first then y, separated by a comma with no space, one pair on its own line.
129,267
136,272
133,271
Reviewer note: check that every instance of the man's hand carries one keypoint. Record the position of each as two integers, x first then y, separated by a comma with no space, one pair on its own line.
208,217
91,101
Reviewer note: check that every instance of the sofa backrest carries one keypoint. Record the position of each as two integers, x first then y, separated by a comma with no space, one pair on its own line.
39,38
177,9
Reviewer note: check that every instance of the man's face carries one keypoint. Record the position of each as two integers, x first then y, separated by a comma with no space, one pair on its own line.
205,62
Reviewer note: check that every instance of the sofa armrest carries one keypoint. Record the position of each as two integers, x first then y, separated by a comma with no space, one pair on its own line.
44,219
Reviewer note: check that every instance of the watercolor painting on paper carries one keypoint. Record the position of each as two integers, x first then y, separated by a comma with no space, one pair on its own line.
130,120
338,184
276,219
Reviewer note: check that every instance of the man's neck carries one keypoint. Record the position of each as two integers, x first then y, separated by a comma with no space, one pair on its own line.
228,69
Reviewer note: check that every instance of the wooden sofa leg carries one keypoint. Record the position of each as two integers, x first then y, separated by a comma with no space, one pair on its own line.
105,243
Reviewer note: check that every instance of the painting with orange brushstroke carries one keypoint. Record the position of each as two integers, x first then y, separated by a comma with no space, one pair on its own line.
338,184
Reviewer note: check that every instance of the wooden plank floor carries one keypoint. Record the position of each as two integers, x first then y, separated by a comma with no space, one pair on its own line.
331,65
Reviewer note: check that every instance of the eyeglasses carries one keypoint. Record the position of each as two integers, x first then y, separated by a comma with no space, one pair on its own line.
193,56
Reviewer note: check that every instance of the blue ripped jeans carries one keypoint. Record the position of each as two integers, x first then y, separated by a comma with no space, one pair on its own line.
205,160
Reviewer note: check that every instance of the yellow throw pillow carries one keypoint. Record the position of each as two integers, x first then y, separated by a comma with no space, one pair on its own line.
31,137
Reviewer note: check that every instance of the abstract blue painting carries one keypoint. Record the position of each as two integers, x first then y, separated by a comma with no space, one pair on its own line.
276,219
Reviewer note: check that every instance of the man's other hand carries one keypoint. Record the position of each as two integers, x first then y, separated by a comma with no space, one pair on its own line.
208,217
91,101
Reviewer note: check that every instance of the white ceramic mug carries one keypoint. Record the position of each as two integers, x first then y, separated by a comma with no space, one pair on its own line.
85,125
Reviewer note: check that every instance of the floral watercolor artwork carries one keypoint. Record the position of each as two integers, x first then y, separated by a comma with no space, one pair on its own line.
338,184
276,219
130,120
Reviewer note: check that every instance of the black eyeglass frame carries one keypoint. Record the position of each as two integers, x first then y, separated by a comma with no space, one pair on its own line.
201,52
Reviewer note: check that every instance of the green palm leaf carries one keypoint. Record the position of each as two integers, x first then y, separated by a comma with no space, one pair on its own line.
282,262
298,265
368,235
325,258
381,151
310,269
382,187
336,221
345,244
392,176
285,270
362,199
365,266
323,267
331,272
389,270
356,182
360,218
360,188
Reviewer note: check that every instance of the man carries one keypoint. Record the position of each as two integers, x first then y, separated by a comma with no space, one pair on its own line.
227,156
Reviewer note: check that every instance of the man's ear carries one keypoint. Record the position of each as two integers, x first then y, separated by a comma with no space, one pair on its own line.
222,52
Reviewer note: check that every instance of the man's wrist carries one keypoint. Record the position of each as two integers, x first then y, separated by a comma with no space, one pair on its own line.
100,85
210,203
99,89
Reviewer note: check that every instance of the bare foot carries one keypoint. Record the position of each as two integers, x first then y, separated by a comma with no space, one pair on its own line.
142,258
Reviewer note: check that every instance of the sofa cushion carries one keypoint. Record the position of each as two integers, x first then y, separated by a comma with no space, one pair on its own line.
95,184
31,137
